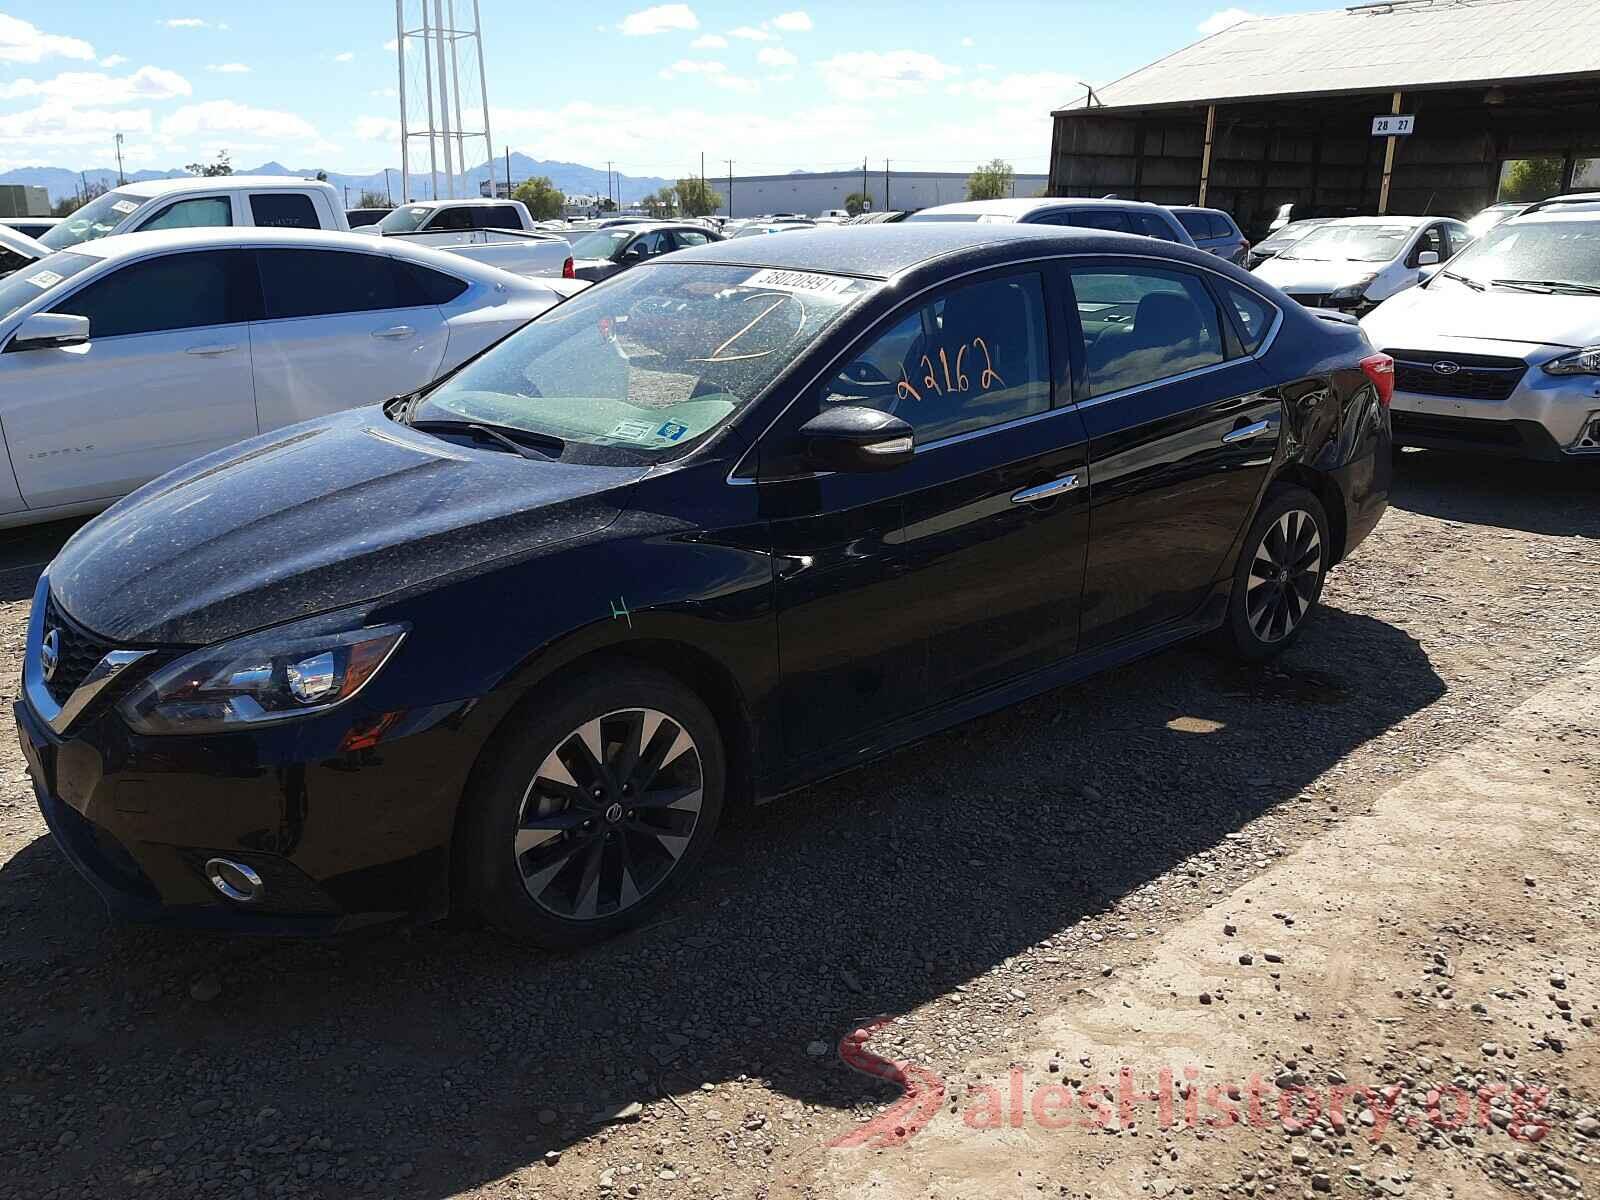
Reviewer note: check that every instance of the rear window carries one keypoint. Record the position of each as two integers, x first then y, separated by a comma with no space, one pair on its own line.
317,283
284,210
498,216
435,286
1111,220
1198,224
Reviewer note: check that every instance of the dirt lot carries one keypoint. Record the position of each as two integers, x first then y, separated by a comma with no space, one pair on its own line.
1367,867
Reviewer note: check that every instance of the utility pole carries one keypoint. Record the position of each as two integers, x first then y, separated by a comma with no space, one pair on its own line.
387,190
608,185
121,179
864,193
508,173
703,188
730,189
887,207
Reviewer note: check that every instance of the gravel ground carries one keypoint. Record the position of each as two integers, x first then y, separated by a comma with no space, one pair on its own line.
963,887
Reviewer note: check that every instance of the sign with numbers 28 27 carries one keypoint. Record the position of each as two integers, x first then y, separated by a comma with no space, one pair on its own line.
1396,126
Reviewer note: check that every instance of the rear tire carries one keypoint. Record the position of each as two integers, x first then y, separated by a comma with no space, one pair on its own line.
596,801
1278,580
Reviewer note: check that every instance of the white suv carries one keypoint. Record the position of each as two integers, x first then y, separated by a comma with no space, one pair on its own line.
1500,351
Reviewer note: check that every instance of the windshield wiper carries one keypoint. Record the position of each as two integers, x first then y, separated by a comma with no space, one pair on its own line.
541,447
1474,284
1550,285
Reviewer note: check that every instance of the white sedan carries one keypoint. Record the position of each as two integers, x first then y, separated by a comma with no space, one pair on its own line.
124,358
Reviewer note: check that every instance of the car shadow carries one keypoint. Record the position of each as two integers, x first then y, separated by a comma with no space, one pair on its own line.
26,552
1484,490
436,1059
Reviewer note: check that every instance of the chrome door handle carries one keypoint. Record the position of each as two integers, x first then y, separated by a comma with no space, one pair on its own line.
394,333
210,351
1245,433
1045,491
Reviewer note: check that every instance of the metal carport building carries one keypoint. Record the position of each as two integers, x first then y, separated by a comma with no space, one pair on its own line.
1281,109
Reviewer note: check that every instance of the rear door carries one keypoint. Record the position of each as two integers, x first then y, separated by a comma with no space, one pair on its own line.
1182,431
339,329
165,378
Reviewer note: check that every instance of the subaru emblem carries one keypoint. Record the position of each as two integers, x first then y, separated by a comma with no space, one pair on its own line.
50,654
1446,368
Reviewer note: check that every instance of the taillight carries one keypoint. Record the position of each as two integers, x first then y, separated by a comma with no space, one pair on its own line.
566,270
1380,369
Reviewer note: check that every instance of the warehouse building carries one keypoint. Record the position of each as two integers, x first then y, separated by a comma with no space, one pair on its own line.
813,193
1415,106
23,200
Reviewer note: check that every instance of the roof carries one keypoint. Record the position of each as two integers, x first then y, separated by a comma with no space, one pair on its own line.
161,187
1018,208
472,201
885,251
1408,222
1370,48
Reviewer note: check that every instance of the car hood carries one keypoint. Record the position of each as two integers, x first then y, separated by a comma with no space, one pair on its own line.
313,517
1309,275
1423,317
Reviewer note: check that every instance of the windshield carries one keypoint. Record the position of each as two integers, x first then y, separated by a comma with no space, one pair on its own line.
602,244
405,219
651,361
1288,236
1353,243
1537,251
31,282
95,219
1490,217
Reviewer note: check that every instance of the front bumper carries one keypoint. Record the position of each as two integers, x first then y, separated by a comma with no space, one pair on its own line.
339,837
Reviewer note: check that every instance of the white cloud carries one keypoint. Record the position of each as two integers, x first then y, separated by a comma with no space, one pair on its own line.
969,42
346,56
751,34
714,73
25,43
1218,21
377,129
60,126
113,60
769,56
793,22
1040,90
709,41
663,18
184,23
867,75
228,117
232,68
383,93
392,45
91,89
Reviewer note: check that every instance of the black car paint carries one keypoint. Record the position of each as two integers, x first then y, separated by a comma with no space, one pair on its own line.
596,269
825,619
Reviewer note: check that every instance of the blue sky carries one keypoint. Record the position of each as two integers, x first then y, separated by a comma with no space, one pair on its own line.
786,86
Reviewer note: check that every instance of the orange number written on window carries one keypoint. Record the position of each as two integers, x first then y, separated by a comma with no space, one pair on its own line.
944,378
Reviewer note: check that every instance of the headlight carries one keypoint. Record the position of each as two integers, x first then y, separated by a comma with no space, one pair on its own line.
277,675
1353,293
1580,362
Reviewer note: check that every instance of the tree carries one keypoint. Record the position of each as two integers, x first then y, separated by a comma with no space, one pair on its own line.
660,204
374,199
71,204
607,204
1530,179
991,182
544,200
857,203
696,198
223,166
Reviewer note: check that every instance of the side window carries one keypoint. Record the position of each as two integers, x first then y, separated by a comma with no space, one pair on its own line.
1153,226
1253,315
688,237
1433,240
498,216
1197,224
451,218
284,210
1219,225
175,291
1109,219
315,283
1144,324
205,213
976,357
435,287
1460,238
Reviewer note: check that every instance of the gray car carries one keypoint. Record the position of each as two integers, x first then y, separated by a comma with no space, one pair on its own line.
1115,216
1215,231
603,253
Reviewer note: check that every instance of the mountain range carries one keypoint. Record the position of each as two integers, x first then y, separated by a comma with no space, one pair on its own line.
573,178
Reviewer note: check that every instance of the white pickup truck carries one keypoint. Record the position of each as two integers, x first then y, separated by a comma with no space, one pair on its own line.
284,202
500,233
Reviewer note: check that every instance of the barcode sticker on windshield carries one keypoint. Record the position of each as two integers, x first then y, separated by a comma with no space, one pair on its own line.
44,279
124,207
773,280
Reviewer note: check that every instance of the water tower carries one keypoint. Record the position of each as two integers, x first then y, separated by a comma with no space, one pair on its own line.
444,95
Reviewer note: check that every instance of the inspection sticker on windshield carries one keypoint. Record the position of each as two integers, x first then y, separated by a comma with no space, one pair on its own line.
632,431
672,431
44,279
124,207
806,282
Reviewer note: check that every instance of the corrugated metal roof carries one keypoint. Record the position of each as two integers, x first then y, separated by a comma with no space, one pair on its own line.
1373,48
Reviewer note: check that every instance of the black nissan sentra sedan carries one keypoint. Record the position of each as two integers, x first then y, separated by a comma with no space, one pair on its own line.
726,524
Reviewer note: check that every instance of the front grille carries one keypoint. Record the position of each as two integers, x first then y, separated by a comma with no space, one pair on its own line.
1464,430
1477,377
80,652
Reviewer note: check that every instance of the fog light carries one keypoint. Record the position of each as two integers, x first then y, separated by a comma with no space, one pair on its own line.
234,880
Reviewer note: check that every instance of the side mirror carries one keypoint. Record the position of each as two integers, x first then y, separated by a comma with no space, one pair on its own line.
51,331
855,439
1428,258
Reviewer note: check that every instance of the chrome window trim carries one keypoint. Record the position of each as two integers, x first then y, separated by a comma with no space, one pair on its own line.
59,717
1071,405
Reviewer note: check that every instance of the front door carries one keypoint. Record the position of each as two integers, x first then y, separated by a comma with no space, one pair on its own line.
1182,432
341,329
164,379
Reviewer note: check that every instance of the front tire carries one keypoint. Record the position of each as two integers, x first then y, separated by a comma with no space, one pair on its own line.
596,801
1278,580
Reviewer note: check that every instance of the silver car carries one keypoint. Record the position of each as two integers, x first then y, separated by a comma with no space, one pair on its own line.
1500,350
